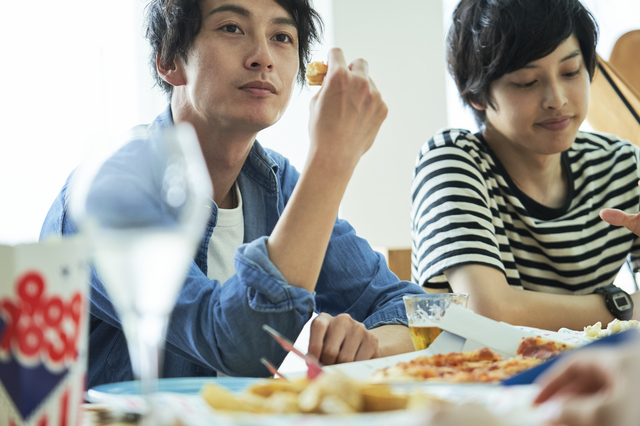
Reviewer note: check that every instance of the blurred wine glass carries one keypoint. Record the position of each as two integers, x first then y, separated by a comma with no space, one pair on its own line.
143,206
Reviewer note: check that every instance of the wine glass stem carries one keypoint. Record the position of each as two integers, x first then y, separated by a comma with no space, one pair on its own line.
145,335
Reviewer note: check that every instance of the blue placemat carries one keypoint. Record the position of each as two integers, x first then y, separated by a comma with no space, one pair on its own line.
183,385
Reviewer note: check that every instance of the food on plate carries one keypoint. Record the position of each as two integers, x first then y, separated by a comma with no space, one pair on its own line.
315,73
595,331
329,393
481,365
541,348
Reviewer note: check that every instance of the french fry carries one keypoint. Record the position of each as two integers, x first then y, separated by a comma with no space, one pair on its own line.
283,403
381,398
221,398
268,387
329,393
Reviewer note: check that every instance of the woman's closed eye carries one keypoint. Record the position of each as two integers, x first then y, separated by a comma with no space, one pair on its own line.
527,84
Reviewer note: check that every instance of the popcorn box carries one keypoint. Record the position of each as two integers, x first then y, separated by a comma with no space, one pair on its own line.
44,290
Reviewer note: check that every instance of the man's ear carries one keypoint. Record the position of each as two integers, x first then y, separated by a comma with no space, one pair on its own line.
477,106
171,73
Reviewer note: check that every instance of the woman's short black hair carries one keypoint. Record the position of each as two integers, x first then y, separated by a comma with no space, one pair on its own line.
172,25
491,38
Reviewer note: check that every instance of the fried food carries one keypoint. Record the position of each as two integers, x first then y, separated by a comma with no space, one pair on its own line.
315,73
329,393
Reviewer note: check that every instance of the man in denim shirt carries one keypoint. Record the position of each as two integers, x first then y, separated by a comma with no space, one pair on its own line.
228,68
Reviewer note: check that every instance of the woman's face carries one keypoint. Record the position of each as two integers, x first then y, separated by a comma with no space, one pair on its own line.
539,108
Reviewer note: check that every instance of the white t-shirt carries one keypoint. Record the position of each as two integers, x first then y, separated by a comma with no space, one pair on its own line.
228,235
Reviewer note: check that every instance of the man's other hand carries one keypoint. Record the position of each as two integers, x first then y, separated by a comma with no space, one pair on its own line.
334,340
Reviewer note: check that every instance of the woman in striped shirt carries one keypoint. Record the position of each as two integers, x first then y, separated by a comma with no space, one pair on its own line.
519,205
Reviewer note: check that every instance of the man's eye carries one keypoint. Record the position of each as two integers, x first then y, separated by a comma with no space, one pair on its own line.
231,28
572,74
283,38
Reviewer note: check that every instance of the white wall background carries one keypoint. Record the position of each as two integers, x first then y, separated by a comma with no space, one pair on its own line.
75,72
403,44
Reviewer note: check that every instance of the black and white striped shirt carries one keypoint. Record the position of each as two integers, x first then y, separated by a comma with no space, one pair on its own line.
466,210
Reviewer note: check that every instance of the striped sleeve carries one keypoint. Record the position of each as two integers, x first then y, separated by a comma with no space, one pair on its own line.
451,211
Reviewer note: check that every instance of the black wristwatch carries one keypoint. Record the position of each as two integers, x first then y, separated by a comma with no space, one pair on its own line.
617,300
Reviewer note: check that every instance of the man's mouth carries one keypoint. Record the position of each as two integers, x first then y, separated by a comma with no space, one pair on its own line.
260,88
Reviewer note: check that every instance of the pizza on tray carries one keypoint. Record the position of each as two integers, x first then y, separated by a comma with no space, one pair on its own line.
482,365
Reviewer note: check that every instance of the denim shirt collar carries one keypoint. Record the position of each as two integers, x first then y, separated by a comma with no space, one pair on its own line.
260,189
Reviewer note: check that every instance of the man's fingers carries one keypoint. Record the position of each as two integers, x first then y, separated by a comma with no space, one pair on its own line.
368,348
360,66
334,339
349,348
336,59
317,332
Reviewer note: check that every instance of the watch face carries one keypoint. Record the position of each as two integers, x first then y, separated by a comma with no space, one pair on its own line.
621,301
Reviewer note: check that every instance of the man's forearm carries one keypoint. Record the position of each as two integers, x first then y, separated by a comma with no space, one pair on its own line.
393,340
299,241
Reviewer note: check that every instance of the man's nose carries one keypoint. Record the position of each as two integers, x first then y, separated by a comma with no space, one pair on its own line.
260,57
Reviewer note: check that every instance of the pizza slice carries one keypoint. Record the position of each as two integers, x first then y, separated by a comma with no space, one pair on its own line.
541,348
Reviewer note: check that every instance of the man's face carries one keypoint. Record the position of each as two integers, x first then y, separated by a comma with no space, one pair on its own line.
540,107
242,66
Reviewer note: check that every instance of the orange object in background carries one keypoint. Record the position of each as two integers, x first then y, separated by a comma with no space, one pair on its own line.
614,102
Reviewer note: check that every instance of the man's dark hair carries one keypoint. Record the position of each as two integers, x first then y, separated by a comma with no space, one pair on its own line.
172,25
491,38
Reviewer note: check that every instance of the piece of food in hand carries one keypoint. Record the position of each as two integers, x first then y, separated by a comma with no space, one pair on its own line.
541,348
315,73
595,331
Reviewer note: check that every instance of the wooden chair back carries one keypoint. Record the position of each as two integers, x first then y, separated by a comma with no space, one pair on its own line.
614,104
625,58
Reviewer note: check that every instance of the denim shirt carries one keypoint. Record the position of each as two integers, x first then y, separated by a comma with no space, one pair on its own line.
217,327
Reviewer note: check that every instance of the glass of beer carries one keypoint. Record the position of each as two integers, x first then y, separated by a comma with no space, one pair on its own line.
424,312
